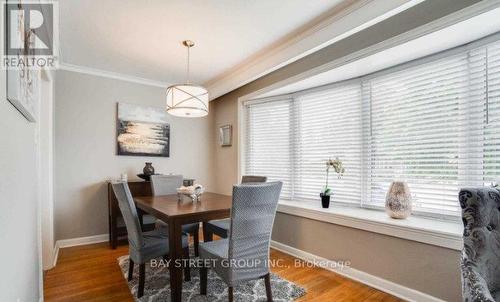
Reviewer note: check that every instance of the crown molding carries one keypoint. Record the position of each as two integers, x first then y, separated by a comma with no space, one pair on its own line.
461,15
347,21
111,75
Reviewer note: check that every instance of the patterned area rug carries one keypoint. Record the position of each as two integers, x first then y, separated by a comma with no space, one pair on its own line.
157,287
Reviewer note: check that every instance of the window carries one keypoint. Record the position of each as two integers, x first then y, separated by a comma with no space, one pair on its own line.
328,125
491,139
426,123
268,142
434,123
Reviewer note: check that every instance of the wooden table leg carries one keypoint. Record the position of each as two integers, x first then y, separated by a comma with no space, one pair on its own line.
175,245
140,213
113,233
206,235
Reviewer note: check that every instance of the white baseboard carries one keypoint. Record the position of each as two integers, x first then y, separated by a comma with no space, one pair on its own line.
389,287
56,255
78,241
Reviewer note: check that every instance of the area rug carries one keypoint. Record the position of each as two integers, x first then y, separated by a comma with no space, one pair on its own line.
157,286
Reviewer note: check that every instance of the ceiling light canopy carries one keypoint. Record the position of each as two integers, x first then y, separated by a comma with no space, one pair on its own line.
187,100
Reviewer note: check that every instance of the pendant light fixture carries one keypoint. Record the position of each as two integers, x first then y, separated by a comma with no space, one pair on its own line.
187,100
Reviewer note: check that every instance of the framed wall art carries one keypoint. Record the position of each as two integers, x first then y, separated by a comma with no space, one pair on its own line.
142,131
22,81
226,135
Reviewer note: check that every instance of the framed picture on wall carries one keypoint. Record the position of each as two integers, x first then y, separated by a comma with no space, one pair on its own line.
226,135
142,131
22,82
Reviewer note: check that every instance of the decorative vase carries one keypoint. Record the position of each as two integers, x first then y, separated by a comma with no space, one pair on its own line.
187,182
148,169
398,200
325,200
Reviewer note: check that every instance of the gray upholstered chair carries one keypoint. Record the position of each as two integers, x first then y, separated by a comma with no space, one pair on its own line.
252,178
143,246
221,227
166,185
481,254
244,255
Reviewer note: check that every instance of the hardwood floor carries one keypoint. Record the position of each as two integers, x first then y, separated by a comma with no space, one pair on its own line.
91,273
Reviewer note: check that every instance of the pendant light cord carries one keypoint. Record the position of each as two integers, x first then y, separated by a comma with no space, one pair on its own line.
187,68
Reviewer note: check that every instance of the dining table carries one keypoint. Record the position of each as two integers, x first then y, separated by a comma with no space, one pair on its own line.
176,212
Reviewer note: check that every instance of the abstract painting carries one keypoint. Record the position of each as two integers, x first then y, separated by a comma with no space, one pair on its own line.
142,131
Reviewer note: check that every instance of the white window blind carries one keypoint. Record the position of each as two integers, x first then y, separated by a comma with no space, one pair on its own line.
434,123
492,128
268,149
329,126
426,128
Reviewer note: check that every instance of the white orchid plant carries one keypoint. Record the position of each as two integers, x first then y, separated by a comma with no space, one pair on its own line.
338,167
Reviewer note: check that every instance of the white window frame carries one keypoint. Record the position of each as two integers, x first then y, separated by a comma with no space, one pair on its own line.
250,99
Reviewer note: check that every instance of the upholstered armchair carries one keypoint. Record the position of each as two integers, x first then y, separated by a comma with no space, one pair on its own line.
481,254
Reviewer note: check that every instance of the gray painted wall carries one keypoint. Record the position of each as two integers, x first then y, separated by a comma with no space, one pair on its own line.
85,154
427,268
19,278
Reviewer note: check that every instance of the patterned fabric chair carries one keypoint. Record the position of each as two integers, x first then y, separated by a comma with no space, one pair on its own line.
481,254
143,246
166,185
221,227
244,255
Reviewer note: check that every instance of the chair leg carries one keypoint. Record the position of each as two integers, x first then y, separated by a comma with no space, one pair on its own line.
142,275
230,294
187,269
269,293
130,269
207,235
203,280
196,238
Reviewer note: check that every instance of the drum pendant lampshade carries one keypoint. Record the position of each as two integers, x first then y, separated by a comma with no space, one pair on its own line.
187,100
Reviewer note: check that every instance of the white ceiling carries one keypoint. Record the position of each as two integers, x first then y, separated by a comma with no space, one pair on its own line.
143,38
458,34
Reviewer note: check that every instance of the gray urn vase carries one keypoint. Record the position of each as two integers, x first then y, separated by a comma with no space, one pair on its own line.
398,200
148,169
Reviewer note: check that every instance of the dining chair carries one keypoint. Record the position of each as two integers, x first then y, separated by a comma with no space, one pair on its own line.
166,185
244,255
480,262
143,246
221,227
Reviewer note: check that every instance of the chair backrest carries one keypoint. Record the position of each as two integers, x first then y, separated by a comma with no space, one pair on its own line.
252,217
252,178
481,219
165,184
129,213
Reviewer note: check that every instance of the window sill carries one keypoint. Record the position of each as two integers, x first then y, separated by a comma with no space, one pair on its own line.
441,233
